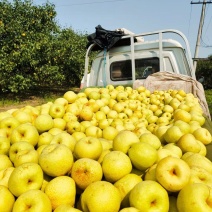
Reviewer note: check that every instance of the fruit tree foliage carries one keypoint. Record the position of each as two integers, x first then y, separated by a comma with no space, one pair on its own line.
204,68
35,50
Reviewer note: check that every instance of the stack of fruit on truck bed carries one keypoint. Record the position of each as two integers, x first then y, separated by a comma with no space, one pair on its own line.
107,150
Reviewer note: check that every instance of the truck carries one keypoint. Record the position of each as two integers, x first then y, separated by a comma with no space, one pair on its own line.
125,58
134,56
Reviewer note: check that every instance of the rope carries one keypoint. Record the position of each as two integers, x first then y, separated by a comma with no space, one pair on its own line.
104,69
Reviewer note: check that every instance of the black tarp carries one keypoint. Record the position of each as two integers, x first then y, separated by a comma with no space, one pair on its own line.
104,39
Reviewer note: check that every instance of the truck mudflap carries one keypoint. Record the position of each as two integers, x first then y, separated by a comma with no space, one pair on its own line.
166,80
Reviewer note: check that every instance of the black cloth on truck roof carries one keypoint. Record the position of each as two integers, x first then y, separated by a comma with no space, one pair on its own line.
104,39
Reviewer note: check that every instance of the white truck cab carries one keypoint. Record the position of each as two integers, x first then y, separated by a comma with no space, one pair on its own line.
138,58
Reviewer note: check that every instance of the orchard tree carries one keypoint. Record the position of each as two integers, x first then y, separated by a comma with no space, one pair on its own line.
34,50
25,31
204,68
69,55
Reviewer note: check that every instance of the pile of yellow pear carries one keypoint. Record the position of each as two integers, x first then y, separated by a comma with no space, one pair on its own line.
107,150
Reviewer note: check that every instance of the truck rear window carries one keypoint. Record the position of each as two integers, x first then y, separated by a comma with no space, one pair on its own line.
122,70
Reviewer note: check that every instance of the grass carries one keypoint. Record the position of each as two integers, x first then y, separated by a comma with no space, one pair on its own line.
13,99
32,97
208,94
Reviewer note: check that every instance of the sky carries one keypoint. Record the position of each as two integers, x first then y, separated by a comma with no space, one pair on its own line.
138,16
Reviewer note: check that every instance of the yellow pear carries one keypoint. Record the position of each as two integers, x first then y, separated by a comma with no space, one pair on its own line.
125,185
101,196
34,200
7,199
61,190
